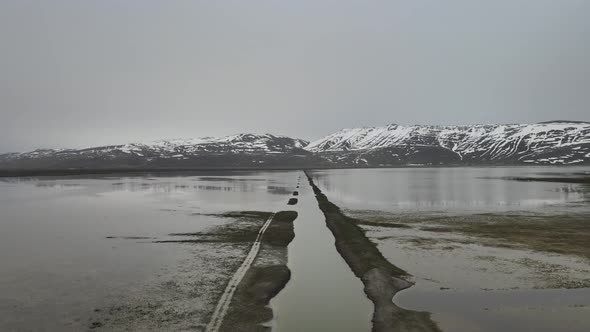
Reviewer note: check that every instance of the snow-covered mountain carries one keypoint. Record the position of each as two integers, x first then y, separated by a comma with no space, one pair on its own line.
557,142
242,143
549,143
231,151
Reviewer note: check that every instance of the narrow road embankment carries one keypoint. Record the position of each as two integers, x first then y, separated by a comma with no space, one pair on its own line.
381,279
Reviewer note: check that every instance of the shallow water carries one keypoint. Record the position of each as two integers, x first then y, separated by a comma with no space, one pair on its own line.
479,288
453,190
471,287
515,310
323,293
57,264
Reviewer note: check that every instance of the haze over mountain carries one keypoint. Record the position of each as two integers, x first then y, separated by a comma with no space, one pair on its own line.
549,143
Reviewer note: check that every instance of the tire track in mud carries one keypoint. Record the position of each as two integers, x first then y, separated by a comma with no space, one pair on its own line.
226,297
223,306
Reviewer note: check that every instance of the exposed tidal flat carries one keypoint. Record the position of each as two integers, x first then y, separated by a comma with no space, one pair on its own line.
458,249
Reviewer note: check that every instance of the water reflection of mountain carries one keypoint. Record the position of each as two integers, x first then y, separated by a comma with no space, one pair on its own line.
57,185
219,179
219,188
454,189
177,187
585,191
277,190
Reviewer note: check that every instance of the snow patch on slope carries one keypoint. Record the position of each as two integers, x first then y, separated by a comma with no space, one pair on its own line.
487,142
183,147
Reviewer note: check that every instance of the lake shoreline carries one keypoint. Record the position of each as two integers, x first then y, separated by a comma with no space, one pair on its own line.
8,173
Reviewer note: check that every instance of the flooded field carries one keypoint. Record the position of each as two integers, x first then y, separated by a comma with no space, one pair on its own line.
486,253
259,251
80,252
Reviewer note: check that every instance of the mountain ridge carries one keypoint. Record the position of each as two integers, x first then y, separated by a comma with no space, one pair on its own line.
555,142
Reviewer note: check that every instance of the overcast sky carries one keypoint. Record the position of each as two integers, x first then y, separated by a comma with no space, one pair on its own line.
82,73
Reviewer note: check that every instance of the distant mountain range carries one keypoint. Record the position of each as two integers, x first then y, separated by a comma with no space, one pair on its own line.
548,143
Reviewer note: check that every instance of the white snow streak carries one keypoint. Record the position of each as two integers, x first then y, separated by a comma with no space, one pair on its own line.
490,141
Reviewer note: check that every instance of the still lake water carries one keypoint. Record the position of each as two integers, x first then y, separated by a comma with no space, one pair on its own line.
453,190
453,285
